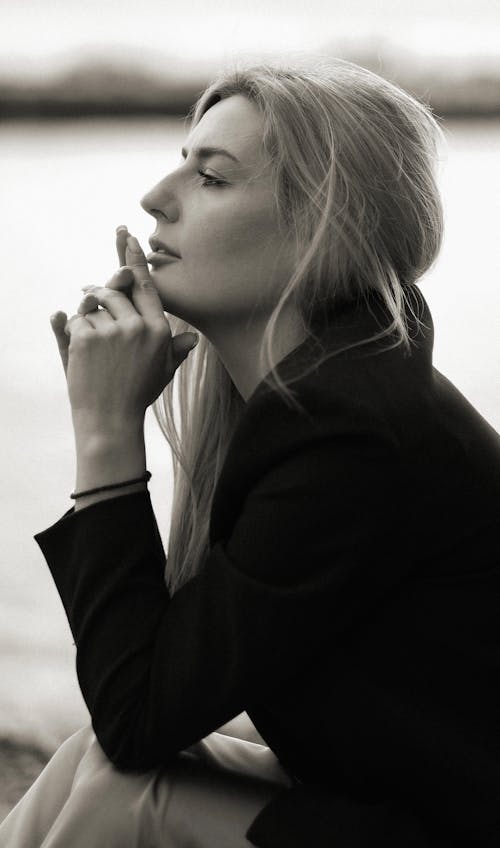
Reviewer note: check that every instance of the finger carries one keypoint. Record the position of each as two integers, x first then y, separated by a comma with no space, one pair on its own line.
144,294
182,345
121,243
115,302
137,261
100,319
88,304
76,321
121,279
57,322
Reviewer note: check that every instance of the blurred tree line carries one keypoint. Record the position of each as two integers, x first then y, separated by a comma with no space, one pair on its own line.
98,86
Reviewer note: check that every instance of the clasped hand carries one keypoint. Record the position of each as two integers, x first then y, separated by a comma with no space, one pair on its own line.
119,358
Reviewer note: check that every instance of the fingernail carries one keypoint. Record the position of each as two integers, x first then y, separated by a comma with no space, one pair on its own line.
196,340
121,227
87,288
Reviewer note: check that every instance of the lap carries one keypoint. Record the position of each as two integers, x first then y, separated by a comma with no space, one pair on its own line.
208,796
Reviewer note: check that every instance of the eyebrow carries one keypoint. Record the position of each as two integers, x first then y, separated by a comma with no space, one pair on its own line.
207,152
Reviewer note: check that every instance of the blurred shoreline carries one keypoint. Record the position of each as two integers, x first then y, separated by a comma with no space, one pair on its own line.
97,85
21,765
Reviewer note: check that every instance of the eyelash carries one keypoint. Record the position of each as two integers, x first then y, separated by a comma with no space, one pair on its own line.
213,181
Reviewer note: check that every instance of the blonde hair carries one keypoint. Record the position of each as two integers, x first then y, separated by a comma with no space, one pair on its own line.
354,165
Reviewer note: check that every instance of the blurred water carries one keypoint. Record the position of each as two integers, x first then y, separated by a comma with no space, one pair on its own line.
65,187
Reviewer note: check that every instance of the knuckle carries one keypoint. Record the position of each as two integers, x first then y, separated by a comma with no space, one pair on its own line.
111,331
106,293
137,261
135,326
161,330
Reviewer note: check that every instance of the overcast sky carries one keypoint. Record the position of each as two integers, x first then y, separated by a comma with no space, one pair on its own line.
46,31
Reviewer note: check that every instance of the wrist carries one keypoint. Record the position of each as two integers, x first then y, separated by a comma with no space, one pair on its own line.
97,433
105,457
88,500
107,443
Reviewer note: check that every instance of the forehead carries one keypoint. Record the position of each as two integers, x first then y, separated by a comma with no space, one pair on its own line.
235,124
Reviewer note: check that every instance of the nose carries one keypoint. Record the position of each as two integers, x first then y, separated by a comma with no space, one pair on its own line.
160,201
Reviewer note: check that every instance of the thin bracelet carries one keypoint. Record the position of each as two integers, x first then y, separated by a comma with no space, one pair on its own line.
144,479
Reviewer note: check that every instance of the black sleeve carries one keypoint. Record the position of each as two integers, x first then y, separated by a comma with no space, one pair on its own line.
159,673
307,816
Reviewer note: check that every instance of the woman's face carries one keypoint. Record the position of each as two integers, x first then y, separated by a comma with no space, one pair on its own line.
232,258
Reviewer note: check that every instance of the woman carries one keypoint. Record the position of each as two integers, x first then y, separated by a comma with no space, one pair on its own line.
333,565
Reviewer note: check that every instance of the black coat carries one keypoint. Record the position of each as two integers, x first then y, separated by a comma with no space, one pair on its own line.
349,603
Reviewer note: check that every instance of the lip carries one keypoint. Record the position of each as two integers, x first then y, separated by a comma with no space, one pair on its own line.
156,245
156,258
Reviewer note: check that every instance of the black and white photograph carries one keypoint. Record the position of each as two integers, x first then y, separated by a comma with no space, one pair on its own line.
250,327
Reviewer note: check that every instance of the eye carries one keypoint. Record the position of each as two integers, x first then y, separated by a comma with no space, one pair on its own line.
209,180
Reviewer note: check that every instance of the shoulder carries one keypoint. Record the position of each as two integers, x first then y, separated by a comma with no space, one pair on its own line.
326,406
341,386
350,414
311,485
332,434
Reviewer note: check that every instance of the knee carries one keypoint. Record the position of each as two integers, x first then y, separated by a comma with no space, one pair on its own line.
79,741
98,778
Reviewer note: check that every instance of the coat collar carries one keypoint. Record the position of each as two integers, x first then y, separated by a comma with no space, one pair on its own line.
353,322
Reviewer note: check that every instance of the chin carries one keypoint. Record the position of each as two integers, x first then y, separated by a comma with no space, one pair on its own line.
173,302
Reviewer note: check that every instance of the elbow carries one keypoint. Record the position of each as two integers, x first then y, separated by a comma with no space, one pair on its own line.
123,759
129,750
124,754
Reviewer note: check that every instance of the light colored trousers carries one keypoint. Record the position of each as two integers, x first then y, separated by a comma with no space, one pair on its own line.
207,798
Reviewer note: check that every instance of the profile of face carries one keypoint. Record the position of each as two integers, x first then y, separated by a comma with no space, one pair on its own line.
217,212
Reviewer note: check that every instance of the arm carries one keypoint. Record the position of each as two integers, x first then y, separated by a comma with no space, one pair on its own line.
158,673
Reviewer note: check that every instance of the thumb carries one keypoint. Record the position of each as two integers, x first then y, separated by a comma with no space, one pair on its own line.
58,322
182,345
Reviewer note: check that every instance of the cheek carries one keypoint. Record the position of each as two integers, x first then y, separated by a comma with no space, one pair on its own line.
232,239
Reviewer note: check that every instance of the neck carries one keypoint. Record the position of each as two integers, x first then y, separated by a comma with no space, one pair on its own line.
239,349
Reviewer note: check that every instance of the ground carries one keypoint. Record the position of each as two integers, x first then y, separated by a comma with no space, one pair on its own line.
19,767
